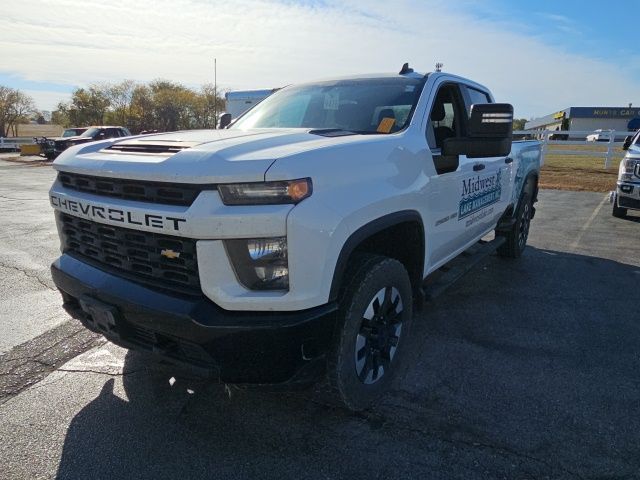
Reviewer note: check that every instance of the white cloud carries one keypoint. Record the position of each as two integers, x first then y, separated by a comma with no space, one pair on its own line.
260,43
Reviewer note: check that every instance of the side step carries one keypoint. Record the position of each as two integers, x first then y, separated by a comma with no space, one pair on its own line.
451,272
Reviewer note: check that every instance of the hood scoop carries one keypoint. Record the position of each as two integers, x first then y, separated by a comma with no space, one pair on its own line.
149,147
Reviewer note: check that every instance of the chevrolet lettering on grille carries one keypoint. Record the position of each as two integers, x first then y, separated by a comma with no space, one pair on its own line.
125,217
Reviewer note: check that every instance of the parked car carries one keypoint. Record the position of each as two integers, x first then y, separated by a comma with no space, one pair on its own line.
601,135
47,144
298,242
626,196
52,147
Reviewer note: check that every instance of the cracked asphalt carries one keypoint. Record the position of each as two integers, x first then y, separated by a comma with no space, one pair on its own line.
525,369
28,242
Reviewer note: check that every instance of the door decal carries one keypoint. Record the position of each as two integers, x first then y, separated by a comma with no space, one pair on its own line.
478,192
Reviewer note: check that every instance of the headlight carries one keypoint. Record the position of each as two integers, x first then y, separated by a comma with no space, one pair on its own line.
266,193
260,263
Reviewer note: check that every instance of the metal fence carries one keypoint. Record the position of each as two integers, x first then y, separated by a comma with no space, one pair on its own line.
552,139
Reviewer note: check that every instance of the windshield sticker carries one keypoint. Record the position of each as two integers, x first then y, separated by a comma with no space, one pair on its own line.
332,100
479,192
386,124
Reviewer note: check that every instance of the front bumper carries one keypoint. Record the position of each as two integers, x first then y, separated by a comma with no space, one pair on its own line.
627,195
235,347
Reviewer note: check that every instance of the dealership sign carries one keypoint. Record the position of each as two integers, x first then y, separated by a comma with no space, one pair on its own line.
603,112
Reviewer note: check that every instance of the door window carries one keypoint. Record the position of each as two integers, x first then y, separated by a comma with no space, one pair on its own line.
445,121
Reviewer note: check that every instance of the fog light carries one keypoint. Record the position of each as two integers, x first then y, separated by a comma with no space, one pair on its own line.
266,248
260,263
626,188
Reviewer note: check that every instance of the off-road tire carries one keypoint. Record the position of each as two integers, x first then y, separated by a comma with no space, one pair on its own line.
366,276
516,237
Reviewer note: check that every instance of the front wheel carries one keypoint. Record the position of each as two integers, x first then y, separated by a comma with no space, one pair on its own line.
617,211
371,336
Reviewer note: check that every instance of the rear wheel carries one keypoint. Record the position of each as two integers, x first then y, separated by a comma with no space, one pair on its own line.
370,340
617,211
516,237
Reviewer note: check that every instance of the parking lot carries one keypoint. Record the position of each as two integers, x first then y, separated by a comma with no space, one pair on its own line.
525,369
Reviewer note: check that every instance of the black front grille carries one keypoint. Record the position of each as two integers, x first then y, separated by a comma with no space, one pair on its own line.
628,202
133,254
138,190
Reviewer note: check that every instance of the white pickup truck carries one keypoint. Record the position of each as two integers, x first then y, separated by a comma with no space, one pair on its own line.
298,242
626,196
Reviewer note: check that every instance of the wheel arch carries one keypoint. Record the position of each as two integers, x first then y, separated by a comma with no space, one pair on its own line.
377,236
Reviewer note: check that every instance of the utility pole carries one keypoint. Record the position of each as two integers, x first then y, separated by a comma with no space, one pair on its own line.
215,92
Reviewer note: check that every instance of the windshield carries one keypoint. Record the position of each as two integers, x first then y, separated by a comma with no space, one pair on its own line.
372,105
92,132
72,132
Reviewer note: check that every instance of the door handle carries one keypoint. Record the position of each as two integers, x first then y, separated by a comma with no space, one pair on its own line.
508,160
478,166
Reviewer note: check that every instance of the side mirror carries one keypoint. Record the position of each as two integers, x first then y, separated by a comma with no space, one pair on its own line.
627,143
490,131
225,120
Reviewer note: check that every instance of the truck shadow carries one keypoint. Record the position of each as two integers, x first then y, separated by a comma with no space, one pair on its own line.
524,368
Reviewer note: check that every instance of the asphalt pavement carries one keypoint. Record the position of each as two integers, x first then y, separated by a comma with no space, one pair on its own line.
524,369
29,242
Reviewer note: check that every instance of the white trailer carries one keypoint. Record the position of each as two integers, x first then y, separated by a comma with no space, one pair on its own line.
240,101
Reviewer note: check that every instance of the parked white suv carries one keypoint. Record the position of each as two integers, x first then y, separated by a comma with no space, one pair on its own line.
299,241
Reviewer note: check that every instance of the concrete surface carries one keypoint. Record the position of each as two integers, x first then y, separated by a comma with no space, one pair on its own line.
525,369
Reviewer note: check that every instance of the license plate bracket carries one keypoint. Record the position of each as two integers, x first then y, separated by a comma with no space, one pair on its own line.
102,316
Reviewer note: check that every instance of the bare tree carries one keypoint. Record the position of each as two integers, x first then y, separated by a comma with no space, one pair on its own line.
15,107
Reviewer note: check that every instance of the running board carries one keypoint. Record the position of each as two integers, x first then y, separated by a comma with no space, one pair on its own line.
452,272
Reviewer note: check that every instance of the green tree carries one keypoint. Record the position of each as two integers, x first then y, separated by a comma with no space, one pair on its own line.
120,96
87,106
161,105
519,123
60,116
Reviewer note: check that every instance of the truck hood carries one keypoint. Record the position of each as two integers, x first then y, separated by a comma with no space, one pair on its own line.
195,156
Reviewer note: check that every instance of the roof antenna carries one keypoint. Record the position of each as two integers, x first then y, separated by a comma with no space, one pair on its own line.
439,66
406,69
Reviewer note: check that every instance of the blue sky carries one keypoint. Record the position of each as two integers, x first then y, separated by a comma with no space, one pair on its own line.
603,29
541,56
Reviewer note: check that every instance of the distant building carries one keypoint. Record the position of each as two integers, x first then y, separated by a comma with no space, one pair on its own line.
588,119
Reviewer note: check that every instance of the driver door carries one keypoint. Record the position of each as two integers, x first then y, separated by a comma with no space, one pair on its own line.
447,119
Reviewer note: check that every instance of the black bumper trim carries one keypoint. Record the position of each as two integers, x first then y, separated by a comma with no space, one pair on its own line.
238,347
